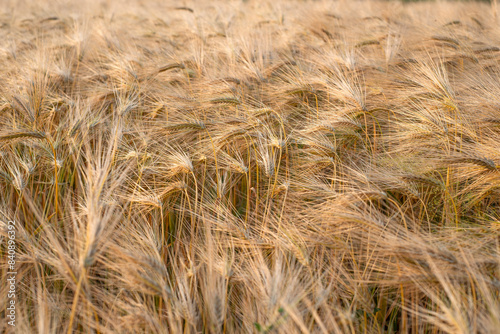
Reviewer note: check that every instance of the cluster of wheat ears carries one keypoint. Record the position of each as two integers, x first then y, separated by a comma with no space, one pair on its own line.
251,166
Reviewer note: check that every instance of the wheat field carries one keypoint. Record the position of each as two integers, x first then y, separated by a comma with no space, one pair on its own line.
250,166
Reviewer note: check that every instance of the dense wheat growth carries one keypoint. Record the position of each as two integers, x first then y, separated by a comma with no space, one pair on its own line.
250,166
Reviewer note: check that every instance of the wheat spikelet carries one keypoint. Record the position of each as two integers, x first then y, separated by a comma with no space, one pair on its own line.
22,134
233,164
493,120
171,67
483,162
280,189
448,40
452,23
236,121
420,179
193,125
301,91
164,193
233,80
226,100
21,107
185,9
347,124
321,145
262,112
280,67
300,255
226,137
370,195
487,49
367,43
179,163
